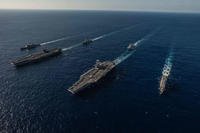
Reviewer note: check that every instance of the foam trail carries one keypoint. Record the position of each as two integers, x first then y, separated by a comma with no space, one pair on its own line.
71,47
76,45
98,38
95,39
127,53
169,61
114,32
53,41
123,57
166,71
64,38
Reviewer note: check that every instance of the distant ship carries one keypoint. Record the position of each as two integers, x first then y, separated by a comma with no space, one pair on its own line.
30,46
93,76
36,57
163,81
131,47
87,41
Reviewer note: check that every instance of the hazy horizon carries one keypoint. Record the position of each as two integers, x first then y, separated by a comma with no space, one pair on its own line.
126,5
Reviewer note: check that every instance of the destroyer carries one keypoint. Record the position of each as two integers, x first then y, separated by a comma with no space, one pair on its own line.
93,76
163,81
30,46
36,57
87,41
131,47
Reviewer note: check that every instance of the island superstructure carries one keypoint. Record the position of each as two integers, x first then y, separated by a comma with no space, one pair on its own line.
36,57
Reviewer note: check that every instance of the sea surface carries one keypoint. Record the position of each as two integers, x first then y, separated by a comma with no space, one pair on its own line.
34,98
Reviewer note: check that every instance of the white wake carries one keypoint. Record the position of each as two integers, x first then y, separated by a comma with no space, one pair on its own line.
98,38
114,32
127,53
53,41
71,47
63,38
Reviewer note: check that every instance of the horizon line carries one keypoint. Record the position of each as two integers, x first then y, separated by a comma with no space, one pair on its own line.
108,10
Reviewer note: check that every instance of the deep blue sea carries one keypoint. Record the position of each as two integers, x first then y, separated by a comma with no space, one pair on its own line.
34,98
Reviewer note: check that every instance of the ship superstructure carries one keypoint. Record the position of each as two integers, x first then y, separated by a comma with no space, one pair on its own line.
93,76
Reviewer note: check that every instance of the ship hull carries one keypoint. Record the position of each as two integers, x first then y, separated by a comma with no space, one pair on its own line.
163,83
38,57
92,85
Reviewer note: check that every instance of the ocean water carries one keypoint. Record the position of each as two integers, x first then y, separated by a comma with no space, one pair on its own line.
34,98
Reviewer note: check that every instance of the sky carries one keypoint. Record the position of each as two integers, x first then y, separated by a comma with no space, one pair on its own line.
130,5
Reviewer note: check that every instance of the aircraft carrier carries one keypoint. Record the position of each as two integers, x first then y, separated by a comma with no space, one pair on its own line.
93,76
96,74
36,57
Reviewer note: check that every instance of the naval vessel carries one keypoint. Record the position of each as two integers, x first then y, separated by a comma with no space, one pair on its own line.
163,81
30,46
131,46
93,76
87,41
36,57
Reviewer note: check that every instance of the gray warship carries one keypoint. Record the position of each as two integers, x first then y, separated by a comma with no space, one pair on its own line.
93,76
36,57
164,78
87,41
131,47
30,46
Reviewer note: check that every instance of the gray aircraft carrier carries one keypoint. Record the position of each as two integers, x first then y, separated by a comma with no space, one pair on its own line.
164,78
36,57
93,76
